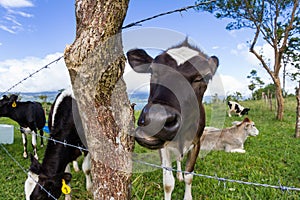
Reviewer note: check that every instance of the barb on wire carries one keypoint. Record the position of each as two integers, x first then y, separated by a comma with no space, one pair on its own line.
166,13
224,180
65,143
30,75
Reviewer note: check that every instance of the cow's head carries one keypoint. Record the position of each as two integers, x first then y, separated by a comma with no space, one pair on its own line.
249,126
6,103
245,111
51,184
179,78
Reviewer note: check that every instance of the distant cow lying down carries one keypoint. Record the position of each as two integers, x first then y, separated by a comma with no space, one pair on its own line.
230,139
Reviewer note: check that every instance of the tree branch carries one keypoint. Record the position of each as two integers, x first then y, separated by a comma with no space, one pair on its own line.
289,27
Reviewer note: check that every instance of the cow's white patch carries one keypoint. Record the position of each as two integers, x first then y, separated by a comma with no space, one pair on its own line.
67,92
182,54
30,184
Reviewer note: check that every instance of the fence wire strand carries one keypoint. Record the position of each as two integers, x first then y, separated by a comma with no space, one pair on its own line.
31,75
26,172
215,177
138,23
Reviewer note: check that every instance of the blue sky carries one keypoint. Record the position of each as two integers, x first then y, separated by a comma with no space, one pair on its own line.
35,32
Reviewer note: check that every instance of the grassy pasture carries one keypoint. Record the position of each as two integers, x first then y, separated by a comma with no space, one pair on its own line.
270,158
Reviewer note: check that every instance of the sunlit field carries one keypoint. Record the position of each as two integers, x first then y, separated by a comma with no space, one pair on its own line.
271,158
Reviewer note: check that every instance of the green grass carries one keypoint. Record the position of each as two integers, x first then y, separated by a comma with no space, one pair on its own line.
270,157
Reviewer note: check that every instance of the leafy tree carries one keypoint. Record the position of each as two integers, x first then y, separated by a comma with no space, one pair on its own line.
43,98
234,97
270,88
292,57
275,21
254,81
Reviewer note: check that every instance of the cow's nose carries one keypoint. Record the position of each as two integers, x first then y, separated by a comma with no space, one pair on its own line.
159,121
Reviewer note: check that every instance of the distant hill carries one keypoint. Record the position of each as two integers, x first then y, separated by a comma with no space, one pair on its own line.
34,96
139,98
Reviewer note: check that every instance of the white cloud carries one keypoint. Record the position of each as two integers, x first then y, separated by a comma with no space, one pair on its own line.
136,81
16,3
53,78
7,29
232,85
11,23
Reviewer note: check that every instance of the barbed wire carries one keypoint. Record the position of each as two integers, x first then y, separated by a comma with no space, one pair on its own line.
215,177
26,172
63,143
220,179
31,75
124,27
166,13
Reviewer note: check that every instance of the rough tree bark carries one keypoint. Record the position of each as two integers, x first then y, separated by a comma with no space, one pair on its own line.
96,63
297,129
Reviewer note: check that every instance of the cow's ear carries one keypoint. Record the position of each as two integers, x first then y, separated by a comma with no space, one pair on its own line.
213,63
247,120
4,97
35,166
139,60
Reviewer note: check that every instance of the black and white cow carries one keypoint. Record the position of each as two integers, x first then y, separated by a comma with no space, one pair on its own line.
29,115
174,118
237,108
64,126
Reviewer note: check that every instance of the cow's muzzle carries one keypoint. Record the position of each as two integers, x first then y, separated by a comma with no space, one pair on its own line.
157,125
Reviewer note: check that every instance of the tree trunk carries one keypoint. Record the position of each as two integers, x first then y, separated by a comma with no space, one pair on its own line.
279,99
96,63
297,129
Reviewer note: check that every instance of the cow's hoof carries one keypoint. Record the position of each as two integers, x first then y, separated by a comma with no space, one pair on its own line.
36,157
42,145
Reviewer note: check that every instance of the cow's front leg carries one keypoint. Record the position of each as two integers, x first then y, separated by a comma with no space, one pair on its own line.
179,170
86,168
68,170
24,140
42,134
168,178
33,142
190,164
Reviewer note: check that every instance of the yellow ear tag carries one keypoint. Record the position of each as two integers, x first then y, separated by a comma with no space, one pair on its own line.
65,188
14,104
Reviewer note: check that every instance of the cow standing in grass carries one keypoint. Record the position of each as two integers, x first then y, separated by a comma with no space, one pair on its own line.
65,126
237,109
29,115
174,118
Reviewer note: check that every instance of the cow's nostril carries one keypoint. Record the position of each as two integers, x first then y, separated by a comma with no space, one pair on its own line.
141,122
171,121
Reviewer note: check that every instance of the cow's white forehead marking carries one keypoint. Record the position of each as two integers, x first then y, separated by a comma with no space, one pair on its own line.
182,54
30,184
